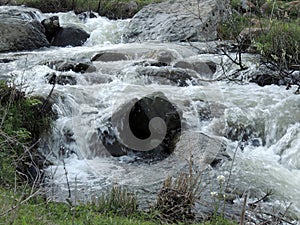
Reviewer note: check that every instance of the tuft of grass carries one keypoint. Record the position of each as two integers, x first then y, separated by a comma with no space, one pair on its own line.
177,197
119,202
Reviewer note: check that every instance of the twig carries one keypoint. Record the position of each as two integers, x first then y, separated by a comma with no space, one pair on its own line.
262,198
20,203
243,210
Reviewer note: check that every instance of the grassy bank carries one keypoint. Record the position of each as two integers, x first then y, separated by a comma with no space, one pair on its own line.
270,29
25,208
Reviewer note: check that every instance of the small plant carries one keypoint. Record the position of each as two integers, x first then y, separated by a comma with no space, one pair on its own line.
119,202
219,197
177,197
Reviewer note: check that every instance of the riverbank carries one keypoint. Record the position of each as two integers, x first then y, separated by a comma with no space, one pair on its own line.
116,9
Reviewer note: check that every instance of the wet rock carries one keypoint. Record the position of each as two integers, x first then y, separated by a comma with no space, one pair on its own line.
51,26
148,127
21,29
203,149
62,79
63,36
78,67
264,76
266,79
146,63
165,57
177,20
87,15
70,36
202,68
109,57
6,60
176,76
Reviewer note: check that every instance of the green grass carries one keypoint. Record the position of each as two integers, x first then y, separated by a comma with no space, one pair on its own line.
281,45
38,211
22,122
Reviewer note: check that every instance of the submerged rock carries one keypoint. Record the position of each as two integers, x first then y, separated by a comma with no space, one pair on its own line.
177,20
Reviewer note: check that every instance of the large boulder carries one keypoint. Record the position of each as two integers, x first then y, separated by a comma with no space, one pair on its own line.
21,29
148,127
63,36
202,148
70,36
177,20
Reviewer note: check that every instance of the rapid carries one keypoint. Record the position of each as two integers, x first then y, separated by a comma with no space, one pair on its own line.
270,116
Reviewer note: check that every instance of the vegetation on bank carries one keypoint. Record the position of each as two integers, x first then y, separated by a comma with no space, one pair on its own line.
114,9
270,28
22,121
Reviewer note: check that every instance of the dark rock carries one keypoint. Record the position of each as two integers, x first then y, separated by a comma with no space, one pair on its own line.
267,75
69,36
177,76
109,57
87,15
6,60
134,127
20,29
202,68
146,63
78,67
51,27
266,79
52,78
63,36
177,20
165,57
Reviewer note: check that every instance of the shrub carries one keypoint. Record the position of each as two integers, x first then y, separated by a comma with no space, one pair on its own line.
22,121
230,29
281,46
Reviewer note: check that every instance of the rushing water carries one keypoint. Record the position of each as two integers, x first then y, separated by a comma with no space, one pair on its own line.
269,160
